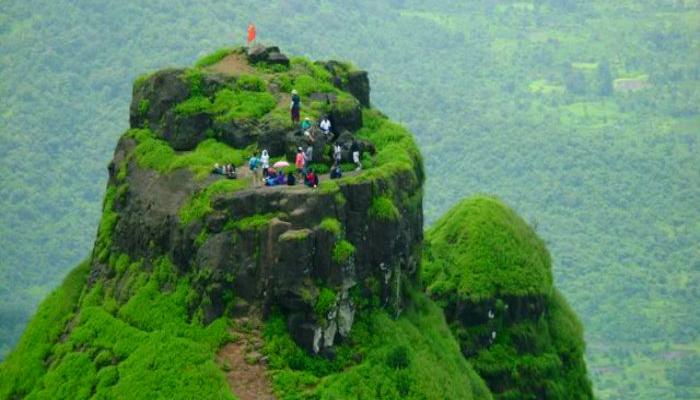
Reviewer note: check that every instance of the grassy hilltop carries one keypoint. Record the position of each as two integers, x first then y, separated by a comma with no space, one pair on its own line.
493,277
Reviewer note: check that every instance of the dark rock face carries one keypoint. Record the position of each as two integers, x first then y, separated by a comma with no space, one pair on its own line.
211,83
346,118
148,222
270,55
153,105
276,137
184,132
357,82
156,95
286,261
358,85
308,253
237,133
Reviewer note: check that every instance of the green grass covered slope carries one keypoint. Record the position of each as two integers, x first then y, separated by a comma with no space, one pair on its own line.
147,348
412,357
94,343
492,275
482,249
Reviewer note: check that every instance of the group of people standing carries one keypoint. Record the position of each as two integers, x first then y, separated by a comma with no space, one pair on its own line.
308,129
301,162
272,176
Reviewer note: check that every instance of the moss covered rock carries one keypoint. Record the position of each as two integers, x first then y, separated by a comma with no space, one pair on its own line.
492,276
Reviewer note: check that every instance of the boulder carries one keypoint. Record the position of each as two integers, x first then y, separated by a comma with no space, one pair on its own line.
327,98
346,138
184,132
215,222
156,95
237,133
278,58
274,136
336,69
319,146
346,114
212,83
270,55
358,86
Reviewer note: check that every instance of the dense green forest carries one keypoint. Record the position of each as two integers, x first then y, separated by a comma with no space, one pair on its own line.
582,116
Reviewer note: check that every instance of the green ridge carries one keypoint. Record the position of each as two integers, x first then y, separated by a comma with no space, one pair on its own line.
481,258
110,350
482,249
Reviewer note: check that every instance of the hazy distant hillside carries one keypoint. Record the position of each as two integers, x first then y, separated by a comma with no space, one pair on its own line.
583,116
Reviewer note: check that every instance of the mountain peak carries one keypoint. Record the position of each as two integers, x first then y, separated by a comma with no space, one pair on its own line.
318,284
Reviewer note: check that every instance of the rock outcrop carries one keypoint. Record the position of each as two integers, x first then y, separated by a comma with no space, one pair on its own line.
303,241
267,54
183,257
156,97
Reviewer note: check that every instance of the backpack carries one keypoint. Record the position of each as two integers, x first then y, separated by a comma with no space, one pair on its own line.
336,173
253,163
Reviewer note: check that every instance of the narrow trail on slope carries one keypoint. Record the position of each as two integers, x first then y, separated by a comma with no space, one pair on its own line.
246,370
243,172
233,64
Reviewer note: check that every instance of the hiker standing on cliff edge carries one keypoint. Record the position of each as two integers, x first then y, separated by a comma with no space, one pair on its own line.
295,106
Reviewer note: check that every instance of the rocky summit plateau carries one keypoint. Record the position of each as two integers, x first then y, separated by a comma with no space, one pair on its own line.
202,286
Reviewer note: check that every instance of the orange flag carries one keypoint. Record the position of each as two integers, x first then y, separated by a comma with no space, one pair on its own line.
251,32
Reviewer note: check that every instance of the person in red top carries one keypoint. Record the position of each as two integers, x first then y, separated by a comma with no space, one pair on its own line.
311,179
300,162
251,33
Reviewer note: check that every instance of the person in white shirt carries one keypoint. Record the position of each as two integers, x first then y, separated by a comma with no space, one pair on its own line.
325,126
337,154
